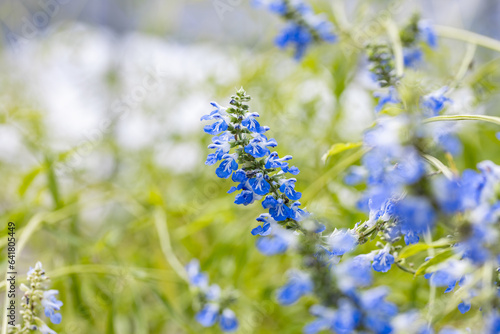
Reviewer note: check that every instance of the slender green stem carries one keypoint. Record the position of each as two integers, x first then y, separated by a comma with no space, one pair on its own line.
466,62
160,220
449,118
439,165
397,47
467,36
405,269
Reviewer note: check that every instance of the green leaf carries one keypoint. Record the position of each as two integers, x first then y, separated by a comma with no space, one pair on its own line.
28,180
490,119
440,257
417,248
339,148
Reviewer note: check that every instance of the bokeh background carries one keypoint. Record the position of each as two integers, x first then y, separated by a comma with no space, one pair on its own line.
102,151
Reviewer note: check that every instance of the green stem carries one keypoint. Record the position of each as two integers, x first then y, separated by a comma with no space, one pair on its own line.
467,36
397,47
160,220
439,166
449,118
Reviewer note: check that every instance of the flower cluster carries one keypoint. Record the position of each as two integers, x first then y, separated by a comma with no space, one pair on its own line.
416,32
239,141
262,175
36,297
213,303
303,27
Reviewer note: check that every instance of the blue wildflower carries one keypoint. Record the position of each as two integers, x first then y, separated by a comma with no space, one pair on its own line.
378,311
325,318
355,272
228,321
208,315
412,57
195,276
427,33
448,194
355,175
383,261
415,215
51,305
390,97
227,167
342,241
464,307
258,146
434,102
288,188
299,284
274,161
272,245
260,184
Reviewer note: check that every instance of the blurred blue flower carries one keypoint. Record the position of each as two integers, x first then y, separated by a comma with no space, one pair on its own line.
208,315
342,241
390,97
51,305
228,321
415,216
299,284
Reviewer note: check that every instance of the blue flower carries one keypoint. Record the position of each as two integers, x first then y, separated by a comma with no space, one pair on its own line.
434,102
195,276
450,143
492,323
271,245
265,229
299,284
412,57
390,97
378,311
252,124
342,241
260,185
448,275
288,188
51,305
343,321
427,32
355,272
44,329
325,318
220,115
258,146
213,292
208,315
277,208
246,197
415,215
298,214
464,307
355,175
347,317
292,170
273,161
297,35
280,211
227,167
383,261
448,194
228,321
